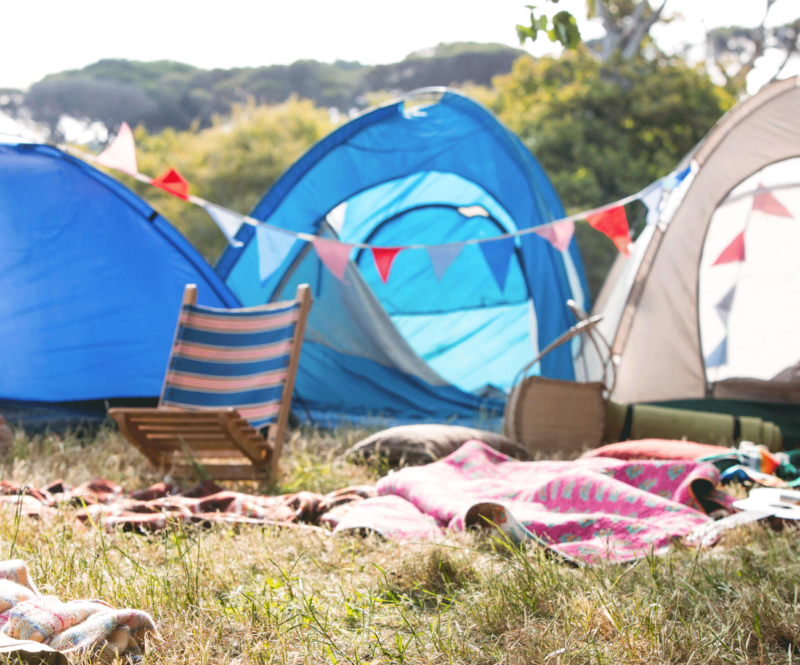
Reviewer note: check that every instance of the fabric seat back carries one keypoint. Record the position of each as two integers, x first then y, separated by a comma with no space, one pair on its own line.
232,358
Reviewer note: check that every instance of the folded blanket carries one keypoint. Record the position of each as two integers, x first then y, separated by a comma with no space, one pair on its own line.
588,509
78,626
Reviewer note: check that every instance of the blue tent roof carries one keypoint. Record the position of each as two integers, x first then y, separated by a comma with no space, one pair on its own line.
91,279
432,168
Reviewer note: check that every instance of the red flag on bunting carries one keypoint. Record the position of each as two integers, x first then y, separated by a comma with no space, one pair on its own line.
171,181
733,252
614,224
766,202
334,255
384,257
121,154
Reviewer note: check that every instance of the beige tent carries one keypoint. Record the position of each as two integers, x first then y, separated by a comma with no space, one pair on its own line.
708,303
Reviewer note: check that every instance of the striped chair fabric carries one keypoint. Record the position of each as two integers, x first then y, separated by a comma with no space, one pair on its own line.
231,358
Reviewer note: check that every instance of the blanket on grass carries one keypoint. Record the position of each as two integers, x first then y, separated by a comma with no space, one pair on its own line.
104,504
586,510
78,626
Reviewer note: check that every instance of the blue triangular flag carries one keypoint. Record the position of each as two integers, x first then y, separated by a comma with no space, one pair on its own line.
724,306
718,356
228,221
498,256
273,246
442,256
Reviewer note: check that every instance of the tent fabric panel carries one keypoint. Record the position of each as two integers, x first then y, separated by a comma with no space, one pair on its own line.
370,208
368,391
501,335
664,362
348,318
92,288
749,303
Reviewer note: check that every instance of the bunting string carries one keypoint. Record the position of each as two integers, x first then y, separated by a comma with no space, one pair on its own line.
610,219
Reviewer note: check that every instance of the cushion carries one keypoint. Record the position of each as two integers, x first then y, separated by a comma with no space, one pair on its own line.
422,444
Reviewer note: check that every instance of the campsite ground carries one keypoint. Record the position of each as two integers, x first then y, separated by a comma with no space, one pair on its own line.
260,595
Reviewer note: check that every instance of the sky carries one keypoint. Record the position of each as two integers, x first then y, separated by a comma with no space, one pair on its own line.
50,36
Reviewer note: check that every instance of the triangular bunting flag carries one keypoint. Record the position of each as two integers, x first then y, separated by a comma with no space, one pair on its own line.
498,257
442,256
733,252
652,199
723,307
228,222
384,258
121,154
333,254
614,224
273,246
718,356
766,202
171,181
559,235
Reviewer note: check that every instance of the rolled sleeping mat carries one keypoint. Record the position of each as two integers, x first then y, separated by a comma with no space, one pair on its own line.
643,421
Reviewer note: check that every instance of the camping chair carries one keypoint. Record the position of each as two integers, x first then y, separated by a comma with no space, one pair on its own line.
230,373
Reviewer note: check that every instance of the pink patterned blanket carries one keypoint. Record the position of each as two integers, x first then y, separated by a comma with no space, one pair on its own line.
586,510
78,626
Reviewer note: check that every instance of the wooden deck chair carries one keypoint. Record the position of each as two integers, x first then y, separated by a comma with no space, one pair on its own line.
231,372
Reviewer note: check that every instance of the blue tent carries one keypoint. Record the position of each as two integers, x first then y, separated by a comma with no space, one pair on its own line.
91,281
432,168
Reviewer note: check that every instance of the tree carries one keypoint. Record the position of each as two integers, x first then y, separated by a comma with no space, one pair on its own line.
627,24
231,163
604,130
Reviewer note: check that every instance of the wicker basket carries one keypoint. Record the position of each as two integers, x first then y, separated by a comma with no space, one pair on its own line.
552,415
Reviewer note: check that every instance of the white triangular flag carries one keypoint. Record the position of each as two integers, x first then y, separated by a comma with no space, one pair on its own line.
121,154
273,246
229,222
652,199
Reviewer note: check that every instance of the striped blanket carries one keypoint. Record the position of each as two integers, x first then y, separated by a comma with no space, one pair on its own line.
76,627
104,504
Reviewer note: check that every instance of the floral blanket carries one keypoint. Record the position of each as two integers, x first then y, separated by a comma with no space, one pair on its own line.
587,510
78,626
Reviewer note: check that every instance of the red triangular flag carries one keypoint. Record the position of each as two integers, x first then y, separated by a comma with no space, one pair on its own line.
121,154
614,224
334,255
733,252
171,181
384,257
766,202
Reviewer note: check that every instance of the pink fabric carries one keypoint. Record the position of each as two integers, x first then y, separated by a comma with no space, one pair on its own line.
588,509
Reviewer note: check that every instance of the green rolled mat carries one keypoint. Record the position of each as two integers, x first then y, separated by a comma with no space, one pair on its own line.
642,421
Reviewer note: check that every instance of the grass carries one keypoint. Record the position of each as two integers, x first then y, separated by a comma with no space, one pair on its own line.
260,595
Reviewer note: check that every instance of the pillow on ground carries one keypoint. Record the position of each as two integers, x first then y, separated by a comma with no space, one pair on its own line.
422,444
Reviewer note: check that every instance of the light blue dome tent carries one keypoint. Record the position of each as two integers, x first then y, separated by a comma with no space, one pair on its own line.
91,280
429,169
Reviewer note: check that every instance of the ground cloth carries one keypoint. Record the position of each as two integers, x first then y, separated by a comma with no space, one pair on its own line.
588,509
77,626
105,504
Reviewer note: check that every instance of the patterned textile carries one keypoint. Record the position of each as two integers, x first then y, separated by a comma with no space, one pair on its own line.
231,358
77,626
103,504
588,510
664,449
